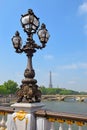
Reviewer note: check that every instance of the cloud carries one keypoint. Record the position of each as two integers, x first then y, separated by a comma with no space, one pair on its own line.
83,8
83,65
71,82
48,57
83,12
74,66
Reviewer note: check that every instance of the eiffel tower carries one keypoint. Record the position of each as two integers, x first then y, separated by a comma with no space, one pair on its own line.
50,83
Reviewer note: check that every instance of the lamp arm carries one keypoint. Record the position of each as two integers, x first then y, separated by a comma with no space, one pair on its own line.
19,50
38,46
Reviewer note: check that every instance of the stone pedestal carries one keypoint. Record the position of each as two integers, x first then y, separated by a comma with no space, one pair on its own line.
28,107
24,119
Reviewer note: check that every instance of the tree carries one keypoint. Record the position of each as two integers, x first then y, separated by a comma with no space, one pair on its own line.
43,90
2,90
10,86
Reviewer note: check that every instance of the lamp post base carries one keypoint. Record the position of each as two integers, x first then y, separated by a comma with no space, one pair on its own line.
23,118
28,107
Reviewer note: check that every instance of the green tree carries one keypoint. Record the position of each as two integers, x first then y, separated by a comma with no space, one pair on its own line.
43,90
53,91
3,90
10,86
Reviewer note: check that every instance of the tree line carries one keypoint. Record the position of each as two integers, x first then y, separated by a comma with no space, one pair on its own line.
61,91
10,87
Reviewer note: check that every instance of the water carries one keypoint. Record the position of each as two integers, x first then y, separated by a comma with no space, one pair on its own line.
70,107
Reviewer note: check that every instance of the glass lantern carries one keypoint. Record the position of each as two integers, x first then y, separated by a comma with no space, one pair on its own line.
17,41
30,22
43,34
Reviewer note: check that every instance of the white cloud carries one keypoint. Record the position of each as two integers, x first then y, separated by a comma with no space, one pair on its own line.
83,8
74,66
83,11
48,57
72,82
83,65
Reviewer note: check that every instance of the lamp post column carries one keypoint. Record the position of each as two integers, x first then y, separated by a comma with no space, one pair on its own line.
28,95
29,91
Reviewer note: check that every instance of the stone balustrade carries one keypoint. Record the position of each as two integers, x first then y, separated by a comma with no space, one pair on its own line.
4,111
40,119
63,120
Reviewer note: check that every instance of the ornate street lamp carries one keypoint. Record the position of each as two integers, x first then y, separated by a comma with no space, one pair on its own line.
29,91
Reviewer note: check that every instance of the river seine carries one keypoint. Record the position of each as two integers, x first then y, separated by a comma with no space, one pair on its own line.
71,107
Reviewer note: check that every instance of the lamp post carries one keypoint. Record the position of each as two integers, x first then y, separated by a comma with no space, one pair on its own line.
29,91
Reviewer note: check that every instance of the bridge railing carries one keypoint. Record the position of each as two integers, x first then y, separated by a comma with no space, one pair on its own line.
4,111
62,120
49,120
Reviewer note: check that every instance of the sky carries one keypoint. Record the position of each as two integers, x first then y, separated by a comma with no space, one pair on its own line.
65,54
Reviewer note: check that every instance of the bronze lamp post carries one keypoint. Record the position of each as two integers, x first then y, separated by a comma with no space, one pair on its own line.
29,91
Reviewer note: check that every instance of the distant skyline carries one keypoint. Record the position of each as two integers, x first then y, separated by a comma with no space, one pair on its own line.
66,52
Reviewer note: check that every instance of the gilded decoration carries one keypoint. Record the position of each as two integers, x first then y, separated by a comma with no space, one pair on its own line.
20,115
60,120
56,120
3,113
70,122
51,120
80,123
